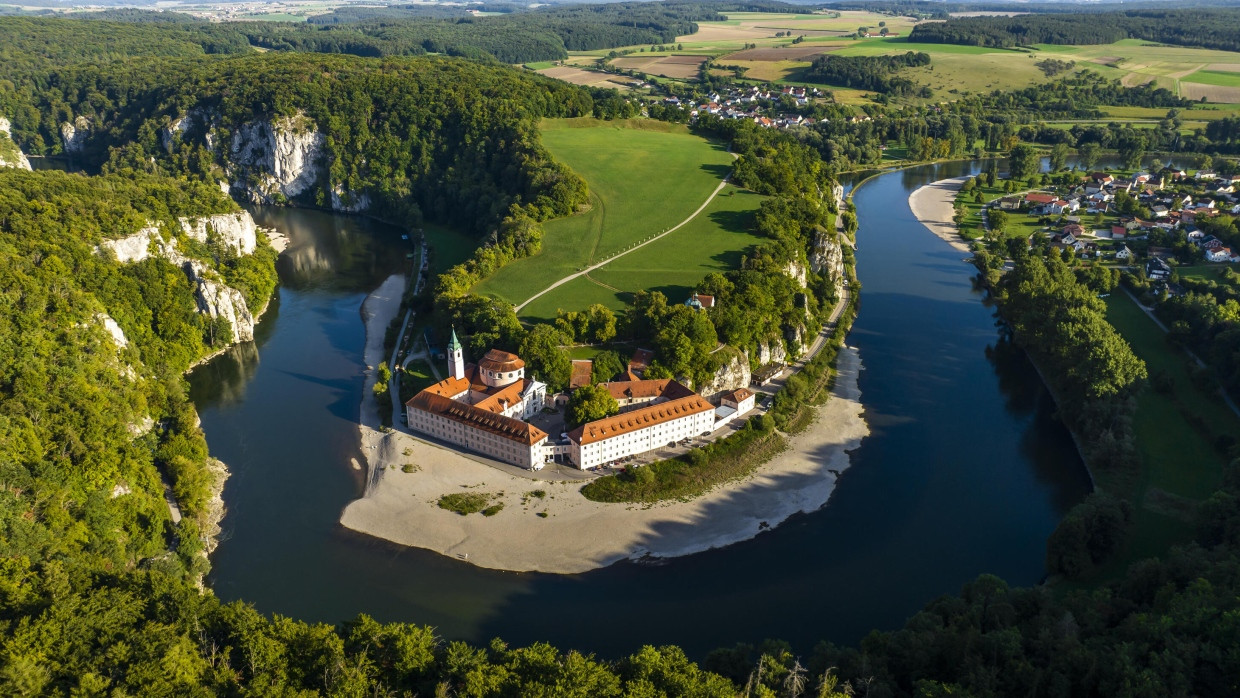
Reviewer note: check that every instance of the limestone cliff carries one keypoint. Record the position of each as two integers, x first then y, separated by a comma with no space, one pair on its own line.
213,296
10,154
771,352
74,134
236,230
733,374
275,160
827,256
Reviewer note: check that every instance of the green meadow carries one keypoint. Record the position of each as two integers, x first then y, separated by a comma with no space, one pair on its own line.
1175,428
715,240
644,176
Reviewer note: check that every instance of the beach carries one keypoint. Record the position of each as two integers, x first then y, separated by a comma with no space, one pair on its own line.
933,205
561,531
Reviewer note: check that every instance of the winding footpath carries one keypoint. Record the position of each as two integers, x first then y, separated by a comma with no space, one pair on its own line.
614,257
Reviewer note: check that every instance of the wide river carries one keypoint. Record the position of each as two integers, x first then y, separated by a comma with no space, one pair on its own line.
966,471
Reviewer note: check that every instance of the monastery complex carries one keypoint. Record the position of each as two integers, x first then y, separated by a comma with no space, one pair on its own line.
486,408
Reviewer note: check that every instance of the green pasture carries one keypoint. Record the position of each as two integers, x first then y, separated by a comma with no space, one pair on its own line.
644,176
715,240
1222,78
1209,272
1175,432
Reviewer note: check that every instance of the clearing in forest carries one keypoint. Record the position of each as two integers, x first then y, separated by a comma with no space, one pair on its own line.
715,240
645,176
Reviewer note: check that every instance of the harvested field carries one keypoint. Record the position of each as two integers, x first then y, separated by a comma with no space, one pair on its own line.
1212,93
667,66
1135,79
1107,60
1224,67
798,53
577,76
710,31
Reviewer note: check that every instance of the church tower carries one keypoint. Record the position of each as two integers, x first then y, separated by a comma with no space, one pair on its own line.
456,358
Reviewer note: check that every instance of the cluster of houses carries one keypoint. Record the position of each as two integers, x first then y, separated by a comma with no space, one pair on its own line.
487,407
749,103
1177,209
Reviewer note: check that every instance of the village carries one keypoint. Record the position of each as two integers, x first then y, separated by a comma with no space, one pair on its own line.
1152,222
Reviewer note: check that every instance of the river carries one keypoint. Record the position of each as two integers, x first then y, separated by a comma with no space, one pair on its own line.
966,470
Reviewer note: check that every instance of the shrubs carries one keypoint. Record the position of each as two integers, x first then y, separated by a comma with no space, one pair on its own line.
465,503
1088,535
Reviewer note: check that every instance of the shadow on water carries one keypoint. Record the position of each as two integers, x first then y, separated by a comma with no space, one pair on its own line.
965,471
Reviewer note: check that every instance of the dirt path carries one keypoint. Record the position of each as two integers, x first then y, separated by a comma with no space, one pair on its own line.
614,257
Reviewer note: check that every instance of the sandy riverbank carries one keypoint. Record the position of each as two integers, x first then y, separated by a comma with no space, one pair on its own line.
378,310
933,205
576,534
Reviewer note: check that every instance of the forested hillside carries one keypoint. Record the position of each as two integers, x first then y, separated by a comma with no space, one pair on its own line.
91,352
1208,28
448,140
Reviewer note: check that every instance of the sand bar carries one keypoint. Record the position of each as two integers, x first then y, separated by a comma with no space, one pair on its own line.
577,535
934,206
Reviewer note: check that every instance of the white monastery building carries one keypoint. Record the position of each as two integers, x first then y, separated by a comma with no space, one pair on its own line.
483,407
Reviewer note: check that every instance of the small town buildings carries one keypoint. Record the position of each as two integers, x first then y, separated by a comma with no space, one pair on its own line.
1123,253
734,404
1158,269
1221,254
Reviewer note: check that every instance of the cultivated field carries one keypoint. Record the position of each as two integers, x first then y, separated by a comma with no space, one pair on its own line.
644,176
681,67
579,76
796,53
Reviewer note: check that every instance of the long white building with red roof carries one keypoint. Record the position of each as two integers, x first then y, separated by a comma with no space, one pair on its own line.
484,407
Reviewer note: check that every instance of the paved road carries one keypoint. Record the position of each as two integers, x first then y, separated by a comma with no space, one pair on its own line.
614,257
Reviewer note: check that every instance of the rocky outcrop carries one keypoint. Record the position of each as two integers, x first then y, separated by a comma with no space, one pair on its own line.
220,301
214,298
74,134
348,202
826,255
276,160
236,230
731,375
10,154
195,120
114,330
772,352
796,270
796,340
138,246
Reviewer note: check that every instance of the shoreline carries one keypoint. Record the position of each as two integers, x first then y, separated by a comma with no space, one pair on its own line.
934,206
562,532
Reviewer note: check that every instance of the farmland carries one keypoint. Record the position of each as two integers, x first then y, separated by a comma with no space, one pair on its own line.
644,177
668,66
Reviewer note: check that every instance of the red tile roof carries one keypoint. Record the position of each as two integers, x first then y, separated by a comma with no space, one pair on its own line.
582,370
501,361
477,418
639,419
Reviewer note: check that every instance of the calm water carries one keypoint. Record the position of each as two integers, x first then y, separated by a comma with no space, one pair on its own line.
966,471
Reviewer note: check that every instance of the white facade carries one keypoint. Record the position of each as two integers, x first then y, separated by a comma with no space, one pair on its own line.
596,453
476,439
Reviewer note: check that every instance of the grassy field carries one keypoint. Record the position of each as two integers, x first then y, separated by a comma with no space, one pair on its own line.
1215,77
1175,434
713,241
645,176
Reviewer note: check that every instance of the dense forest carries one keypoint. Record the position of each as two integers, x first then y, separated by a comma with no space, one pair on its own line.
877,73
79,457
1207,28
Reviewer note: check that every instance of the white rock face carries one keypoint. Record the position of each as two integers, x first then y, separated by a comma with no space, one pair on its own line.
796,339
214,298
237,230
217,300
282,157
136,247
117,334
771,352
196,119
732,375
16,158
75,134
796,270
826,254
348,202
